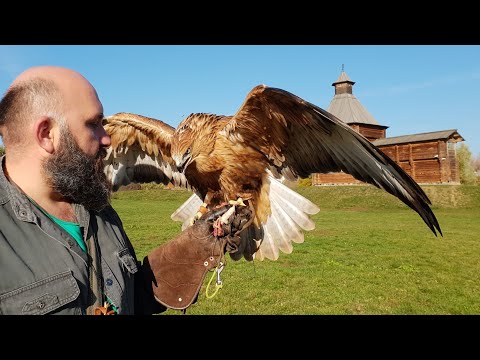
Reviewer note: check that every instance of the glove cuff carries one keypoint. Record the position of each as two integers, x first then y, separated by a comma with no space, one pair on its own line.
180,265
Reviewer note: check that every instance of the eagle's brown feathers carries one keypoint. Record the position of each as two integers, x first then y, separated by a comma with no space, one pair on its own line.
273,135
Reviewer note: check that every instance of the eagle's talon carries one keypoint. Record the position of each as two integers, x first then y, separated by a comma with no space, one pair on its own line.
239,202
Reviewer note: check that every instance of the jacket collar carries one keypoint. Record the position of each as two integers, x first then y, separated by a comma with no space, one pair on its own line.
21,206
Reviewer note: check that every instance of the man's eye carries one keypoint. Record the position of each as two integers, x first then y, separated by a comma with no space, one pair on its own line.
95,124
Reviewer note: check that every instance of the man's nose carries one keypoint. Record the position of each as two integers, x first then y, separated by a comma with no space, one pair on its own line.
105,139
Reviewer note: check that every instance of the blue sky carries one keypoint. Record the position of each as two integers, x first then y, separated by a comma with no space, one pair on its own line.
411,89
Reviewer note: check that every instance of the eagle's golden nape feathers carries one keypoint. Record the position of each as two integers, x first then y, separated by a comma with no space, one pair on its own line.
273,135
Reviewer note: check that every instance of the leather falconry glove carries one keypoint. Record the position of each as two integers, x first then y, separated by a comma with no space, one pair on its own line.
176,270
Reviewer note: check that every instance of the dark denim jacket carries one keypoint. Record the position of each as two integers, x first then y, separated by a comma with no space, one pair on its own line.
44,271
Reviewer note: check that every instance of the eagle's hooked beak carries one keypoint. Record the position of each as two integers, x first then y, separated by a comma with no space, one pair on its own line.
183,162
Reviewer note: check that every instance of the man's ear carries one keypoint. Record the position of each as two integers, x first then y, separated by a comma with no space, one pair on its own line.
44,133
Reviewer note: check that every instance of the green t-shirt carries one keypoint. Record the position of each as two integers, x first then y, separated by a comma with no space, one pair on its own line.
72,228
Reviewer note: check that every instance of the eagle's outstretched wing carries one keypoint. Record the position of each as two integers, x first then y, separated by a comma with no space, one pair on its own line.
140,151
299,139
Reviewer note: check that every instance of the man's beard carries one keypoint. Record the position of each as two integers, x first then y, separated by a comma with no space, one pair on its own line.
79,178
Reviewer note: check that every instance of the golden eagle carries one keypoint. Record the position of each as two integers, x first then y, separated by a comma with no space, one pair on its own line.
274,135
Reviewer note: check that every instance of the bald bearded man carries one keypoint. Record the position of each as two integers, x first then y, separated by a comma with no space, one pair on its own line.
63,249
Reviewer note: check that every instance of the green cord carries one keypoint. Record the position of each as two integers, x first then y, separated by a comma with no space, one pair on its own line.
217,285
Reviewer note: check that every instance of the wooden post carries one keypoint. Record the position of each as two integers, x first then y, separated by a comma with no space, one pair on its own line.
441,163
410,159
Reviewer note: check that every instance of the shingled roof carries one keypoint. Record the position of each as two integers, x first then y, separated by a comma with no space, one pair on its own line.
346,106
343,78
434,135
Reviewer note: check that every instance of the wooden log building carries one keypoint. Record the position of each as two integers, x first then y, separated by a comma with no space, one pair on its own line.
429,158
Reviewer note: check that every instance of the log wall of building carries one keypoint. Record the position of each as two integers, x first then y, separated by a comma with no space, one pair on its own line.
339,178
425,162
370,132
432,162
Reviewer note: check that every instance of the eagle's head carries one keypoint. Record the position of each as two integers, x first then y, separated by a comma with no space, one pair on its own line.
192,139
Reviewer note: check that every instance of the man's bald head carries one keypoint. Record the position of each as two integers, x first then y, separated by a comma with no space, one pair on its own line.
57,74
49,91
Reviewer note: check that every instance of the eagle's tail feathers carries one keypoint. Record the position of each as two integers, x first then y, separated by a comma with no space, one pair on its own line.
259,255
268,249
289,228
278,231
293,210
293,197
289,217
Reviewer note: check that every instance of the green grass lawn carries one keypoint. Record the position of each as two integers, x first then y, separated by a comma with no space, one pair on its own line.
369,254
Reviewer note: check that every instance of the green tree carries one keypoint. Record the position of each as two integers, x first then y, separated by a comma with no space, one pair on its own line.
476,167
2,150
476,162
465,165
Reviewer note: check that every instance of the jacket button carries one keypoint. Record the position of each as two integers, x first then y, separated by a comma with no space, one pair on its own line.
109,282
70,242
23,213
41,305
